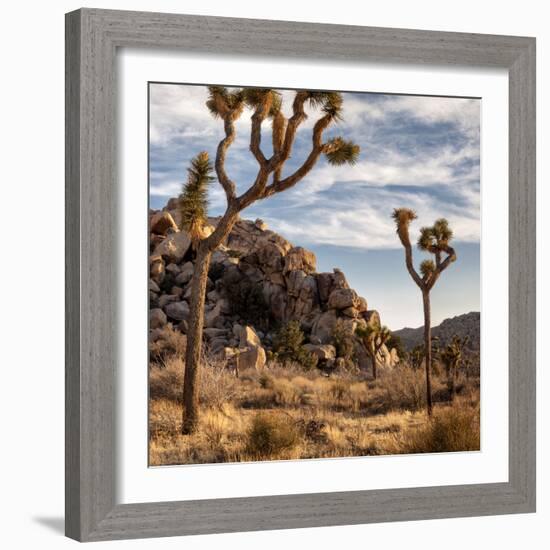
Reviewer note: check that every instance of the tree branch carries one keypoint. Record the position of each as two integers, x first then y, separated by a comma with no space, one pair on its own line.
256,131
227,184
403,232
443,265
316,151
298,116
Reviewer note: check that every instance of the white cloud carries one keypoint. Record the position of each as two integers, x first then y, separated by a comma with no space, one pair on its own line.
443,190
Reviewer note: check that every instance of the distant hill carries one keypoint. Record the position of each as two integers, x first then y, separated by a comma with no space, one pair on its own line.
467,324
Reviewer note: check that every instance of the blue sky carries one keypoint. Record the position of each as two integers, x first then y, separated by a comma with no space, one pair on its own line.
419,152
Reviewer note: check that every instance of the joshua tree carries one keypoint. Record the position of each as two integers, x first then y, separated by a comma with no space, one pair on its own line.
417,356
373,337
228,106
451,356
435,240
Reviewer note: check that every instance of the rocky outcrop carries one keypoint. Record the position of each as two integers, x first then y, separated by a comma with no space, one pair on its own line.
257,281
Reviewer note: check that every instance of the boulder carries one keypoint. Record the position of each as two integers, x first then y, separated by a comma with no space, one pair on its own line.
270,257
157,318
322,352
248,338
179,311
372,317
174,247
166,299
324,284
351,312
339,279
342,298
252,358
213,318
173,269
156,268
185,274
162,222
294,281
260,224
327,282
323,328
211,333
217,344
299,258
362,307
153,287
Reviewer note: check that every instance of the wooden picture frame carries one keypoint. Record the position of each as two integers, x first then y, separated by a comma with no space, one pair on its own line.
92,39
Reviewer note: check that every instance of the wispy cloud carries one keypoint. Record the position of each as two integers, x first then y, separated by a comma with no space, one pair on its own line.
420,152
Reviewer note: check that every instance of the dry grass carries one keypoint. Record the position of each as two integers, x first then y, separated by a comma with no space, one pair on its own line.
286,413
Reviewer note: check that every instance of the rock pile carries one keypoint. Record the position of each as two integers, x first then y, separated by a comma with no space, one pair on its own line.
257,281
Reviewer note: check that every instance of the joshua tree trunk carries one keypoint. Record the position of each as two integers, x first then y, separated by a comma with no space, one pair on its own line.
428,349
373,359
194,340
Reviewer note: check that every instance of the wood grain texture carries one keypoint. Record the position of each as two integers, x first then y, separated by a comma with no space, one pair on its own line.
92,37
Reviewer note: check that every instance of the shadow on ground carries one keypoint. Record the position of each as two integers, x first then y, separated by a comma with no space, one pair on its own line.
55,524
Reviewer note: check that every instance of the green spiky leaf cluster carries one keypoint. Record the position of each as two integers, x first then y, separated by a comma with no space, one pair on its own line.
436,236
427,239
330,103
403,216
442,232
254,97
193,200
340,151
427,267
222,102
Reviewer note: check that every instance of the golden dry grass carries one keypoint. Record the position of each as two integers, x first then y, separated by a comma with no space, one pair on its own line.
285,413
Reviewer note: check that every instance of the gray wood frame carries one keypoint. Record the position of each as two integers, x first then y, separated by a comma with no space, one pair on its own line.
92,38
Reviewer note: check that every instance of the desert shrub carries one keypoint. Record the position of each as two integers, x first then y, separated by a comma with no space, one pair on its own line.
286,393
339,390
405,389
164,418
265,380
218,385
173,342
214,426
288,346
336,438
269,435
343,341
166,379
451,429
247,301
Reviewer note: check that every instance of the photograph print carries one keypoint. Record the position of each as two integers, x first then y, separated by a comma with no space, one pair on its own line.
314,274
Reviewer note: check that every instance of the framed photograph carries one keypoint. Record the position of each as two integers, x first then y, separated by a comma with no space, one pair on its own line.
300,275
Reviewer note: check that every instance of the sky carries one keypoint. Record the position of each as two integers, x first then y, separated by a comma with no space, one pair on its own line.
416,151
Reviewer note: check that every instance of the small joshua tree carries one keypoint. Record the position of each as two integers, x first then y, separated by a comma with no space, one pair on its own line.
451,356
228,106
373,338
416,356
435,240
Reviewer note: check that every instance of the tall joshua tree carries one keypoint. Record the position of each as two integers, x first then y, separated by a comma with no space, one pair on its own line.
373,337
228,106
435,240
